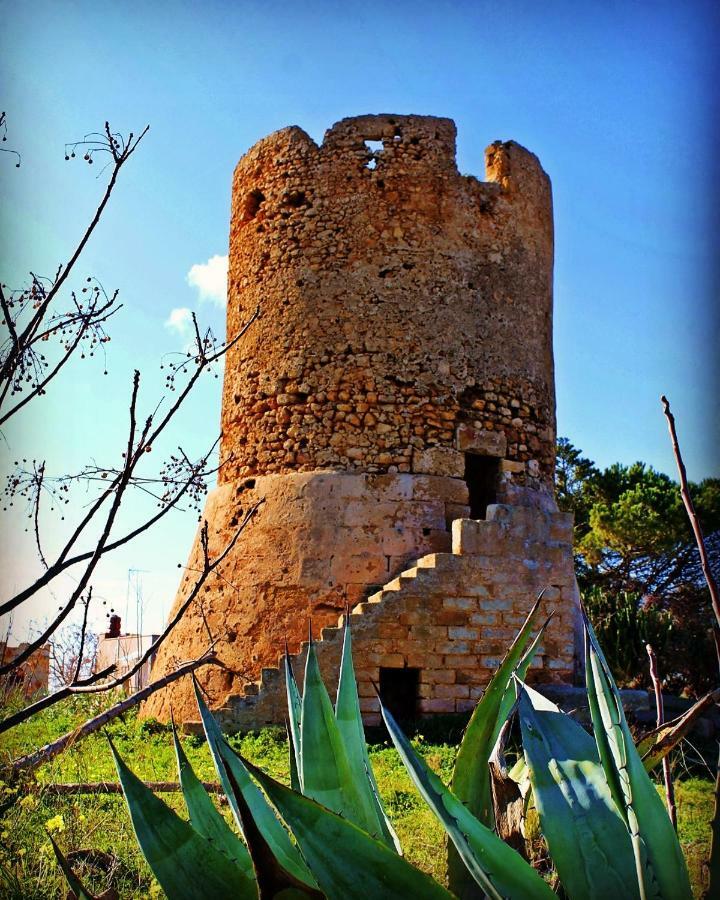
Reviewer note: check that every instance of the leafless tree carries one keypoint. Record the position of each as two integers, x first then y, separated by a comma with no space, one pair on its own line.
45,330
73,650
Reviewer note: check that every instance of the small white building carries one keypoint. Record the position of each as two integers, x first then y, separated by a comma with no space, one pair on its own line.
123,651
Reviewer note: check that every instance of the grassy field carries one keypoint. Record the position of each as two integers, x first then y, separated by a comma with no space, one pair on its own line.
102,822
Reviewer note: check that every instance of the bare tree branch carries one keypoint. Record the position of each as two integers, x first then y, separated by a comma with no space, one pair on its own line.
714,860
23,339
92,685
659,706
65,789
49,751
97,553
692,515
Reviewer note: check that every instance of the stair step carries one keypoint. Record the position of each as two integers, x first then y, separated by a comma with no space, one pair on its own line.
442,561
392,586
423,569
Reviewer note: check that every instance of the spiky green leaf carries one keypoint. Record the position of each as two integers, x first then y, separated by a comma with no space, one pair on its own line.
204,816
345,860
350,726
471,779
76,886
294,704
273,880
587,838
293,761
326,775
659,862
277,837
496,868
186,865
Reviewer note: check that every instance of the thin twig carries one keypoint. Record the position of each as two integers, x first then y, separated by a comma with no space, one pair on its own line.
714,858
659,707
49,751
114,787
695,523
83,629
97,553
93,684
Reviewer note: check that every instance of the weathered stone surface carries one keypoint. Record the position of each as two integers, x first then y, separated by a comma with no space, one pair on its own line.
490,443
406,320
455,642
400,302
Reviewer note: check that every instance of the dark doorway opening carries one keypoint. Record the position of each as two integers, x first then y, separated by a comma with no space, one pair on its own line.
481,477
399,692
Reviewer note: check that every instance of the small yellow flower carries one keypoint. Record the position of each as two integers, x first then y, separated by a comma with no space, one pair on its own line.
21,852
81,817
28,802
57,823
5,834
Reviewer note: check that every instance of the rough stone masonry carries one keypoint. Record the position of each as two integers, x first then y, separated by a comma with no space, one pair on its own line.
394,406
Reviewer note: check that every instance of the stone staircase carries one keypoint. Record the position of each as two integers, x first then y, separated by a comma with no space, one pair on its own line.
272,677
450,615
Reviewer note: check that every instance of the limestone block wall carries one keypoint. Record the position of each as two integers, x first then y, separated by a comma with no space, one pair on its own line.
452,616
400,301
321,541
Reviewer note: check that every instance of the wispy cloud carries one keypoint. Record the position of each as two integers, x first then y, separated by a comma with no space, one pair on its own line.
179,320
210,279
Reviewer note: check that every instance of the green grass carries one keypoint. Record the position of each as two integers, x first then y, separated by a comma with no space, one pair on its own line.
102,822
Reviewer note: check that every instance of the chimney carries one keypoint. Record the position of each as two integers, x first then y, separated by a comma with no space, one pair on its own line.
114,632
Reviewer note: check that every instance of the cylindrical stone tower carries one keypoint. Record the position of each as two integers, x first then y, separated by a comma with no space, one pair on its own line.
399,378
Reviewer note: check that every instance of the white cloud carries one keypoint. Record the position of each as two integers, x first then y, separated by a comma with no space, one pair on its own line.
210,279
179,319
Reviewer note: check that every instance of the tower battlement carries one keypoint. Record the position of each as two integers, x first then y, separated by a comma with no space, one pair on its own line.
403,304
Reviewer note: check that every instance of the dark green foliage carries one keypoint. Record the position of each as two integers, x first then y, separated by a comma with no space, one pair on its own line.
632,531
624,623
638,567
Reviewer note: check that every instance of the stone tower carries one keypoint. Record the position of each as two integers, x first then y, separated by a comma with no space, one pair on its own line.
394,407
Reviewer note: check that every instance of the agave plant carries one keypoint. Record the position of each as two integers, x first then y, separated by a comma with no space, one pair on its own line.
328,835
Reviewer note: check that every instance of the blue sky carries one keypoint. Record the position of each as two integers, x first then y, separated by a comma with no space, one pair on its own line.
615,99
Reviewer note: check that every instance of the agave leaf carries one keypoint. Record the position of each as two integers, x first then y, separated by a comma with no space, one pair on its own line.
471,781
588,840
656,745
273,880
204,816
659,862
76,886
519,771
187,866
275,834
497,868
326,775
293,760
350,726
294,704
346,861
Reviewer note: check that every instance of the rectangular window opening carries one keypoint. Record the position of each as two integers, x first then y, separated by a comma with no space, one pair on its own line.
481,477
399,692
